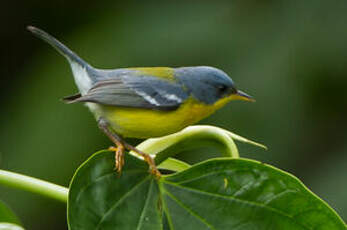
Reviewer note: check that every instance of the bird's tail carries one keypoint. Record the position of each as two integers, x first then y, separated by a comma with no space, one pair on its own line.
80,68
61,48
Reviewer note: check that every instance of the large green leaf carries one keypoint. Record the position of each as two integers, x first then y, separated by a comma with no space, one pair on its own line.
221,194
6,214
8,220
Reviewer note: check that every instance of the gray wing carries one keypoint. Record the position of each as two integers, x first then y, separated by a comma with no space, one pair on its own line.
135,91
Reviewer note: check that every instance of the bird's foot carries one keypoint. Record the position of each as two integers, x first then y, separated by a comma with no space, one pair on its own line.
119,157
121,146
152,167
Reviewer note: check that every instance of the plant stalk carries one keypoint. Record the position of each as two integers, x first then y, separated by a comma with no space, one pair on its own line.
34,185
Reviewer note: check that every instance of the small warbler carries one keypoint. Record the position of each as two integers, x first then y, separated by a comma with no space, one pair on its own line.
148,101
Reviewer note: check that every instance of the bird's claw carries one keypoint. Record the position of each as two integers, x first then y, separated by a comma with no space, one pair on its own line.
119,160
119,157
152,166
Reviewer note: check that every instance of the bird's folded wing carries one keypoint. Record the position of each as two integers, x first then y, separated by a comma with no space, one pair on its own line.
137,92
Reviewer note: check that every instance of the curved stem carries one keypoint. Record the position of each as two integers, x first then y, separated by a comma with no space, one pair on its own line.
34,185
191,137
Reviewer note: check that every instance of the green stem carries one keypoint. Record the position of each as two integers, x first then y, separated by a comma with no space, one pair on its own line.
191,137
198,136
34,185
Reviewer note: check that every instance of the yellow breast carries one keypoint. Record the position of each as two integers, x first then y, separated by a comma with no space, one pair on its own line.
146,123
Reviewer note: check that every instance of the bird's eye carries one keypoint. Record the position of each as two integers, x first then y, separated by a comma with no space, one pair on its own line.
222,88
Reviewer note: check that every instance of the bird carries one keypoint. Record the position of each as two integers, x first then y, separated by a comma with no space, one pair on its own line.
145,102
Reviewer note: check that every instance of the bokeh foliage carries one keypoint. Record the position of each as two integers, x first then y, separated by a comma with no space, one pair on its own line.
290,55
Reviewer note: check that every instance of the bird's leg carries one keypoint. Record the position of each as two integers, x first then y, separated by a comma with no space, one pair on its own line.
121,146
119,149
147,158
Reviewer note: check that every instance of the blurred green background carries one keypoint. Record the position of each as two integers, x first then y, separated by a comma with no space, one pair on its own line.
290,55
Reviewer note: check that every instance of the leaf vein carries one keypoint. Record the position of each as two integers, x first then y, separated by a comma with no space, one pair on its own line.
239,200
280,194
200,218
100,178
203,176
145,206
120,201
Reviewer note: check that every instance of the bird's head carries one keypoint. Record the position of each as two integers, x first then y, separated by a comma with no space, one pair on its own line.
210,85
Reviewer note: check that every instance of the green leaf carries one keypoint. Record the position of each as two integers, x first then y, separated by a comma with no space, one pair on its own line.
174,165
218,194
8,220
6,215
101,199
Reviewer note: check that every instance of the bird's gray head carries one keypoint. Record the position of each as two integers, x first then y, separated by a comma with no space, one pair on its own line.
208,84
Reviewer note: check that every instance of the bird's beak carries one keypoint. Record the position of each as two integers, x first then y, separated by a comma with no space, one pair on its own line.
242,96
